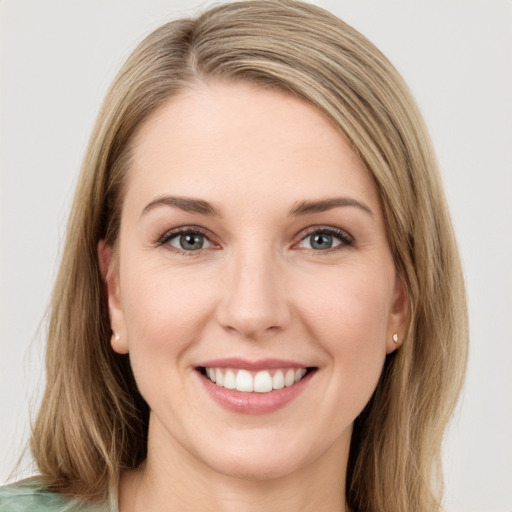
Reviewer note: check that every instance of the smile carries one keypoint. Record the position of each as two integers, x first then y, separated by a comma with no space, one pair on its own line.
257,387
263,381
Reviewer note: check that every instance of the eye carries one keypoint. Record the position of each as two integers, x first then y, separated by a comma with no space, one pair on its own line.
188,241
325,239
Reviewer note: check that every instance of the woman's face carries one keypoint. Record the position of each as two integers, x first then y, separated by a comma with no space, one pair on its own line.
252,250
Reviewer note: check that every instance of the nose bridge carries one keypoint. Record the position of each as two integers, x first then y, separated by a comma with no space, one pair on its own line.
254,303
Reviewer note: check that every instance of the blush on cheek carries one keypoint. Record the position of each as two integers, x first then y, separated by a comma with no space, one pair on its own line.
164,321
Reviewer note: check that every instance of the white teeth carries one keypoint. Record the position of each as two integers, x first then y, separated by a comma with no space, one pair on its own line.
229,380
299,373
289,378
278,380
262,382
259,382
244,381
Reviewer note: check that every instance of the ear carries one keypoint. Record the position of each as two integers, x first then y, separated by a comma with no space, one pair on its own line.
398,316
109,268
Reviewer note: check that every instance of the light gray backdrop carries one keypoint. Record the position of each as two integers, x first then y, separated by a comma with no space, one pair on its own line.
57,58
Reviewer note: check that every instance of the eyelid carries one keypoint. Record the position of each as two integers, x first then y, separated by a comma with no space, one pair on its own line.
163,240
177,238
170,233
346,239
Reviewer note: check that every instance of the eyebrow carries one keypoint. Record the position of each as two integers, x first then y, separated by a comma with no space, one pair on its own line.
192,205
310,207
187,204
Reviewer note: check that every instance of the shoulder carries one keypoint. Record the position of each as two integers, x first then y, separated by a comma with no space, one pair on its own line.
31,495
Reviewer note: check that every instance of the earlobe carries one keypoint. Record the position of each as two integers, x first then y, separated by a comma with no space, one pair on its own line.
109,271
118,345
399,315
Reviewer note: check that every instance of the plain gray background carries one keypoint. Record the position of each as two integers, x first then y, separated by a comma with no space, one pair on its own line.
57,59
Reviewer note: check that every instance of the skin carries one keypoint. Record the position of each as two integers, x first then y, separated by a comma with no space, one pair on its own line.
257,289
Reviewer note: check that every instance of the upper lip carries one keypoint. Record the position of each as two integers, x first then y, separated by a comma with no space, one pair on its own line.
244,364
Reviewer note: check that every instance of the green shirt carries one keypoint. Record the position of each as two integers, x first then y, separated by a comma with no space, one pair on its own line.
32,496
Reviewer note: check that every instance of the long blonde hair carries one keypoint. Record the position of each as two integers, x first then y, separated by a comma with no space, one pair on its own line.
93,423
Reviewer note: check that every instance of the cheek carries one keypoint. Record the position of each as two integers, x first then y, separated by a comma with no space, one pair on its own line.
348,317
162,308
350,305
164,318
164,311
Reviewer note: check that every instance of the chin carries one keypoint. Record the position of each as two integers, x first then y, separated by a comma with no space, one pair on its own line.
266,455
258,468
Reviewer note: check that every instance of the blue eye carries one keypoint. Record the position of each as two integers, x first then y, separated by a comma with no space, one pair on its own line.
189,241
325,239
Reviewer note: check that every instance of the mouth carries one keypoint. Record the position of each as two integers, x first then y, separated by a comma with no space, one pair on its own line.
261,381
251,388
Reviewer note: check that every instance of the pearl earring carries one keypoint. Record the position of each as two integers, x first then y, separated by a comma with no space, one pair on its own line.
395,337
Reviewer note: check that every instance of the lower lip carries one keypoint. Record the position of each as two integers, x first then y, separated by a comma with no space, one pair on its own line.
254,403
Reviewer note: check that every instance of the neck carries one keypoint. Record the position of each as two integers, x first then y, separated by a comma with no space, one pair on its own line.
173,479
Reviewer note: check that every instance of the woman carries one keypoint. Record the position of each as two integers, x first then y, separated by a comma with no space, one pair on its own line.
260,304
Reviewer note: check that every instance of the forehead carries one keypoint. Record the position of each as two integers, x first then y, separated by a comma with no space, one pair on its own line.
224,141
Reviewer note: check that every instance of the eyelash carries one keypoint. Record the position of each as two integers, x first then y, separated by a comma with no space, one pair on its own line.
185,230
345,238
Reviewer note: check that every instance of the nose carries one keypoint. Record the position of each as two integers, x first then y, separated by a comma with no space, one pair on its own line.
254,304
